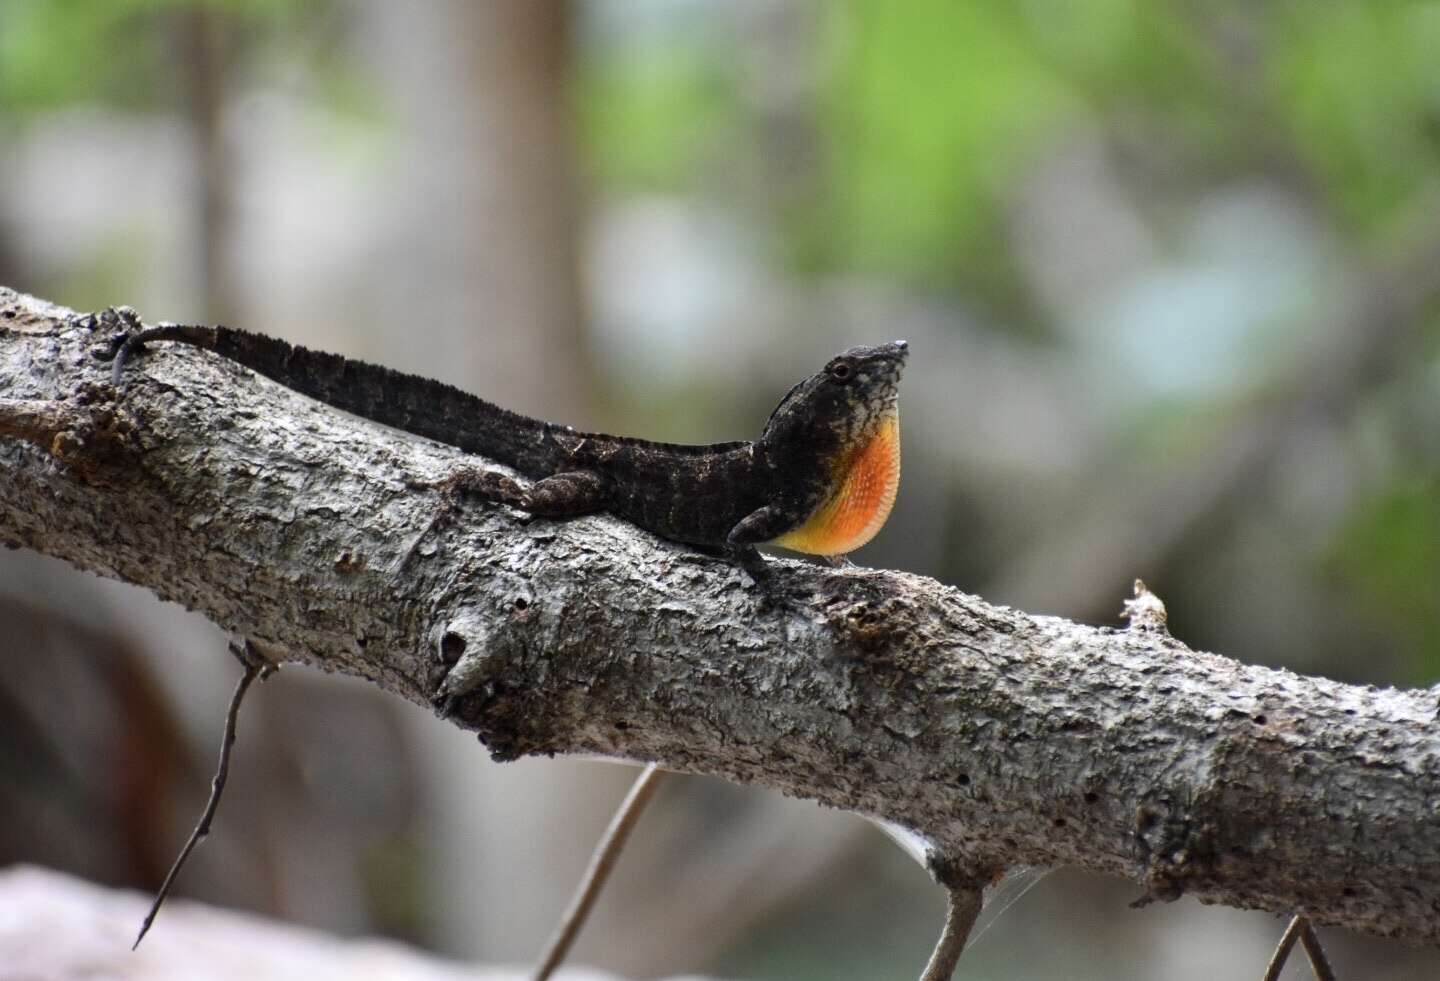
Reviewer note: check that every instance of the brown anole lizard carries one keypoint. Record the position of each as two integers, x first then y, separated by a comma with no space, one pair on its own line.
821,479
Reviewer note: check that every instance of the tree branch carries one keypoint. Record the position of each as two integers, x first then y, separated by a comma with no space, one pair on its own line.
597,873
253,667
1003,738
962,907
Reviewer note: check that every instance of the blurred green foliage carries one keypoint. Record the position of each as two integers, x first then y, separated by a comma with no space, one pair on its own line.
54,52
653,116
930,108
1389,553
111,52
1360,84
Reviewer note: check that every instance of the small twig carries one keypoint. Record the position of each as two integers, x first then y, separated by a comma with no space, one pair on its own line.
255,667
1282,949
1319,963
602,862
1299,929
964,907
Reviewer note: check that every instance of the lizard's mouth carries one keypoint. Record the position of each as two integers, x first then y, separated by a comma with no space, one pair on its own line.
883,367
896,353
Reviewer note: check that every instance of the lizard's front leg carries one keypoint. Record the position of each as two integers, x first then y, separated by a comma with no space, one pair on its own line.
761,525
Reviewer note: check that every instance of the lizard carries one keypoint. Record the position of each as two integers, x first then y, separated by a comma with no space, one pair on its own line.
820,480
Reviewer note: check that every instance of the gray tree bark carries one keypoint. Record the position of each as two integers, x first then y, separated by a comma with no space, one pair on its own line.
1001,737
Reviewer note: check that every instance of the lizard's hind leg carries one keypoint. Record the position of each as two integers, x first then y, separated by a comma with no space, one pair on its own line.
563,495
481,482
568,494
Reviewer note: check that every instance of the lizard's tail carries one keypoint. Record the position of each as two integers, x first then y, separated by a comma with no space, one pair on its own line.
415,404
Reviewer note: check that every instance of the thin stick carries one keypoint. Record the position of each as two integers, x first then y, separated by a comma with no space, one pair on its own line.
964,907
1282,949
1319,963
1301,930
255,667
602,862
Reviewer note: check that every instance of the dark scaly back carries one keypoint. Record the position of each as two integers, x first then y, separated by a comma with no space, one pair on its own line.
693,494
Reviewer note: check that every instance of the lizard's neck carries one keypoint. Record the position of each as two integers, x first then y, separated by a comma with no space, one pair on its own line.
865,482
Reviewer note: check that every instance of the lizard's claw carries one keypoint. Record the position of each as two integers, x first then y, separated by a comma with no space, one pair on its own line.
769,581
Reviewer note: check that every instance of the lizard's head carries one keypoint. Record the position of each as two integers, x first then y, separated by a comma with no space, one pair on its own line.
836,436
843,402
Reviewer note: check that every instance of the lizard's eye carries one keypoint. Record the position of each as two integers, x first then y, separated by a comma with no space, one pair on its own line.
841,370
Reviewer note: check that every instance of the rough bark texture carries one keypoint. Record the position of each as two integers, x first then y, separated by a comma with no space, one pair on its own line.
1004,738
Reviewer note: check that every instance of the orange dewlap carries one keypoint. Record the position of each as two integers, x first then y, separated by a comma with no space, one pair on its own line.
857,511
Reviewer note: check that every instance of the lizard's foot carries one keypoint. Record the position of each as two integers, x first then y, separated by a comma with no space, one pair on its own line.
466,481
486,484
769,581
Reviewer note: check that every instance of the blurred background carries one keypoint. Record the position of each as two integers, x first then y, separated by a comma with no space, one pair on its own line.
1168,270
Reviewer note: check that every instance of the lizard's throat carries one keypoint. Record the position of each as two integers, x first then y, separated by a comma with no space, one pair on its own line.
866,482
